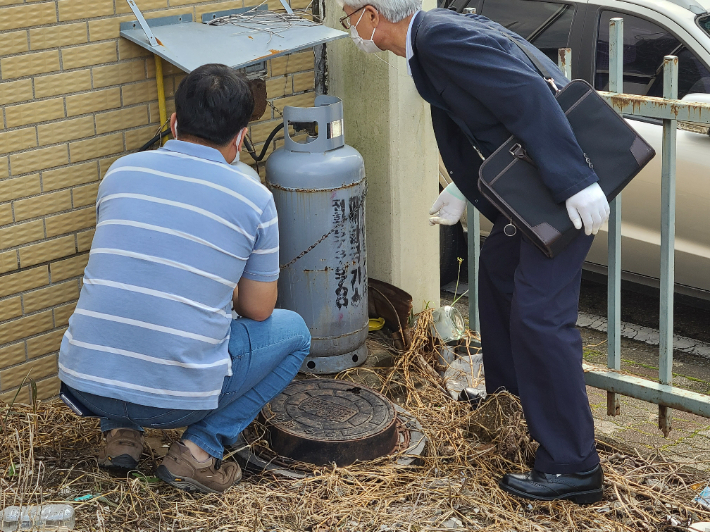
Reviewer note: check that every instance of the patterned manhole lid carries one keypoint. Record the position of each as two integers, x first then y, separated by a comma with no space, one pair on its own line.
324,420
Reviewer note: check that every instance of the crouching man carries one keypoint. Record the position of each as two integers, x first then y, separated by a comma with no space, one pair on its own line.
182,236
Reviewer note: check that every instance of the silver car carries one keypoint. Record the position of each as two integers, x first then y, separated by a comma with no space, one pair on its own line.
652,30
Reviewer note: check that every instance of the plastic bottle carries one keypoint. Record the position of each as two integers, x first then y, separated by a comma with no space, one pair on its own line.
47,517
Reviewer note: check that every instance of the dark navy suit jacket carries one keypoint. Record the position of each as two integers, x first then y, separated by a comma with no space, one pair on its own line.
480,85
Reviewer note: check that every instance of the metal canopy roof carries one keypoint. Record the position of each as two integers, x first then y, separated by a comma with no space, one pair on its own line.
188,45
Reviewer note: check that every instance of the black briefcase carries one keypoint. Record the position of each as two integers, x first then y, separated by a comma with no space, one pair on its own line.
510,180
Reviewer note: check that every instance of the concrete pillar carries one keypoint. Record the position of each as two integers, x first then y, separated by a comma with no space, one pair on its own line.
390,125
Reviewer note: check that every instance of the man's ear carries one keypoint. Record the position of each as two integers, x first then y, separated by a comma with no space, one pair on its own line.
373,15
173,125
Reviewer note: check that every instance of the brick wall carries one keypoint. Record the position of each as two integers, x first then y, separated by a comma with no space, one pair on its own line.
74,97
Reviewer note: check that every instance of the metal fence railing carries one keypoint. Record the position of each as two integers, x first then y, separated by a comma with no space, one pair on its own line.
670,110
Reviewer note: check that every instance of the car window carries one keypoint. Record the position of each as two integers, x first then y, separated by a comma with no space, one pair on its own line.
545,24
645,46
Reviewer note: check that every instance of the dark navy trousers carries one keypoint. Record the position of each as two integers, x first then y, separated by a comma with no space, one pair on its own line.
528,307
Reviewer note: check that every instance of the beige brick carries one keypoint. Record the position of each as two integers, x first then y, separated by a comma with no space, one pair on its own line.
21,234
129,50
82,150
48,388
68,176
14,42
19,139
143,5
278,87
65,130
14,283
118,74
55,36
70,221
108,28
261,130
122,119
45,343
46,251
8,261
29,64
12,354
29,161
10,308
105,164
92,102
63,313
67,268
211,8
33,112
50,296
177,79
41,205
35,369
15,91
140,92
85,195
83,240
90,54
135,138
24,327
27,15
62,83
301,100
5,214
19,396
3,167
20,186
292,63
303,82
154,110
76,9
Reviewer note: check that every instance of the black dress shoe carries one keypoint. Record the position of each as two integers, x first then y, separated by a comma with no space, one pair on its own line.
582,488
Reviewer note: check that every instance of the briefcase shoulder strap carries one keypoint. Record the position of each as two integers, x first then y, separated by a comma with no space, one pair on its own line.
542,70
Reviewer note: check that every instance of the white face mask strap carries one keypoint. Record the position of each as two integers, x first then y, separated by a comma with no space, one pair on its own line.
358,20
236,144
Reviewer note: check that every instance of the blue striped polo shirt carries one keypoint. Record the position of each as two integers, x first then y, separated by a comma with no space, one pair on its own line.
176,229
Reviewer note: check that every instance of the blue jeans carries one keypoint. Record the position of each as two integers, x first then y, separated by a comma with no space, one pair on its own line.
265,355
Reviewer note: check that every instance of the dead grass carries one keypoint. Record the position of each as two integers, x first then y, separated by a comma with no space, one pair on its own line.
47,454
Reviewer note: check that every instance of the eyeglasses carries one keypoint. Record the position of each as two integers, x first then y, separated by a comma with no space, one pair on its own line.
345,21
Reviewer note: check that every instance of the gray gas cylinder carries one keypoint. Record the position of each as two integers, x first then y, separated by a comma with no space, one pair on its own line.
319,190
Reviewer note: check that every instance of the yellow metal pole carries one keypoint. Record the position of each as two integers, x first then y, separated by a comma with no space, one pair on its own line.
161,94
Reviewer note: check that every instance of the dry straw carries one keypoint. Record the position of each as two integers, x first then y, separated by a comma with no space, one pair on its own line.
48,454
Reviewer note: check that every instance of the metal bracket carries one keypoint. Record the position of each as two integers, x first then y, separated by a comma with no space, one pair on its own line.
287,7
141,20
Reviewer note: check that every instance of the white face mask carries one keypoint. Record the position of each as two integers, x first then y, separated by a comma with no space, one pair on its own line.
367,46
239,139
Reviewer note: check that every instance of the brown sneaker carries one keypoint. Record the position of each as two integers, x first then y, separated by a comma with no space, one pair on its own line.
122,450
180,469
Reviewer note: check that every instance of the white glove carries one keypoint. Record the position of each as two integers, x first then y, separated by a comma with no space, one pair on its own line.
589,206
448,207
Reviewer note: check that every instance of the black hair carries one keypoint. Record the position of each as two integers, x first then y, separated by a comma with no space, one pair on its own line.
213,103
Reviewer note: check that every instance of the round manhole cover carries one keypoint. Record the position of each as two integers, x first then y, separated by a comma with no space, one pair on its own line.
323,420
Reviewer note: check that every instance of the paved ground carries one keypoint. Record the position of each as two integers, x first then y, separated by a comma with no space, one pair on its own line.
637,426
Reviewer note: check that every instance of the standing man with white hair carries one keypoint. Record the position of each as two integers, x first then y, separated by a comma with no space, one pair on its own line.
482,86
